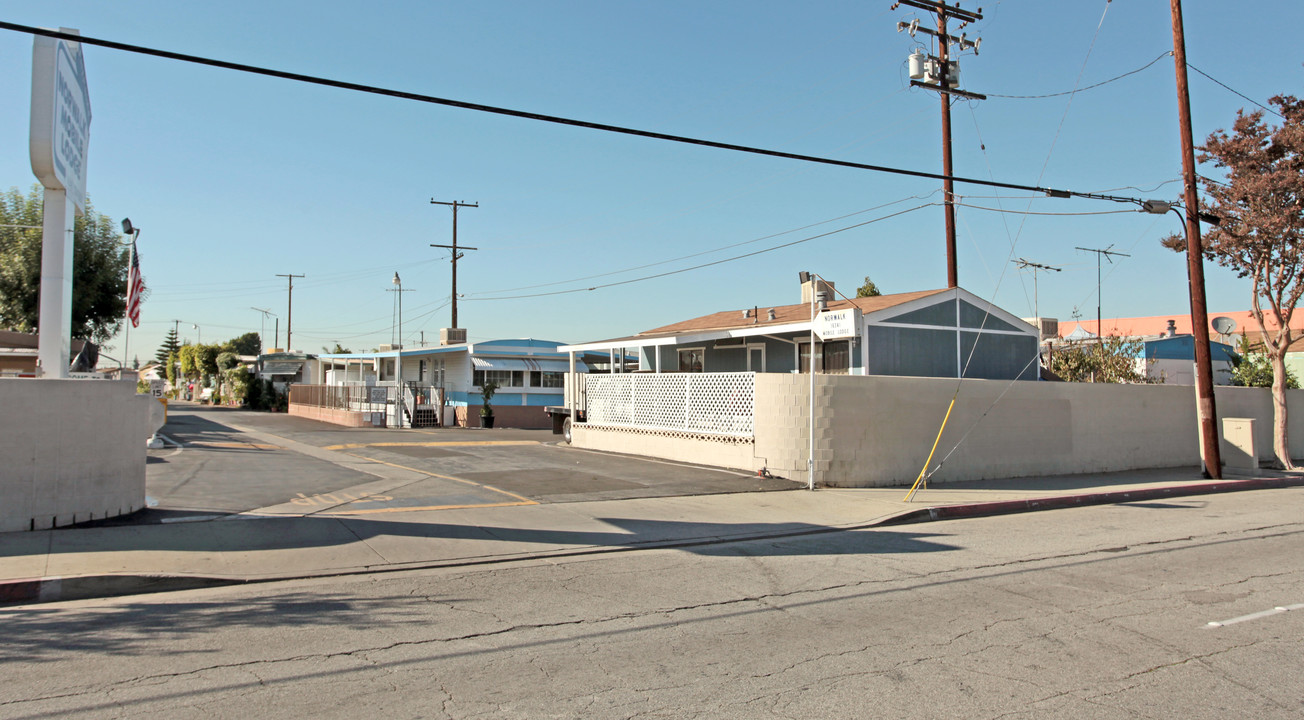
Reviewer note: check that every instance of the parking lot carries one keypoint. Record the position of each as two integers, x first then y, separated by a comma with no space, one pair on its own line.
221,461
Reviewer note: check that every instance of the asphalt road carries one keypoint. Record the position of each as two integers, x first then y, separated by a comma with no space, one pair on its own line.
220,461
1101,612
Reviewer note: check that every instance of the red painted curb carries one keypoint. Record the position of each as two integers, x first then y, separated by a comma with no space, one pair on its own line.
27,590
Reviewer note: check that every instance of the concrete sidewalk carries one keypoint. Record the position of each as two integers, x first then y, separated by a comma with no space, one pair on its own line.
76,563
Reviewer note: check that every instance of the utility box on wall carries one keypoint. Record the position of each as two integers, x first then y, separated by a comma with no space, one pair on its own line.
1238,449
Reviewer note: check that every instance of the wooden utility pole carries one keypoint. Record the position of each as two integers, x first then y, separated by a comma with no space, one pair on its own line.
454,247
948,185
289,308
1206,411
939,79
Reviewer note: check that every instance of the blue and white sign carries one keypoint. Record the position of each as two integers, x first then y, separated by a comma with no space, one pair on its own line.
61,116
837,324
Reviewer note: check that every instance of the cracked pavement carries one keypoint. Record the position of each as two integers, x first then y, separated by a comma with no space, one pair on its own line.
1094,612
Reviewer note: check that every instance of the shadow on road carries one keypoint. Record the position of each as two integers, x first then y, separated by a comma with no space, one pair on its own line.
429,539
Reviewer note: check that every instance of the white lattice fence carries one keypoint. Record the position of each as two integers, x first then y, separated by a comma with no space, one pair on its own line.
709,403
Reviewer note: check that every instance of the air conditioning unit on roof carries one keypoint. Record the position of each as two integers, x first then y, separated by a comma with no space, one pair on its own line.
452,336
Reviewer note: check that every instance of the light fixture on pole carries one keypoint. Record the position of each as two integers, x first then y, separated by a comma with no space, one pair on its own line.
199,332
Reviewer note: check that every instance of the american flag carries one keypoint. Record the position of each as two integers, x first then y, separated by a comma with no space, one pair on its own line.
135,288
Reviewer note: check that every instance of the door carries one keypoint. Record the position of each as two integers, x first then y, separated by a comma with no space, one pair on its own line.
756,358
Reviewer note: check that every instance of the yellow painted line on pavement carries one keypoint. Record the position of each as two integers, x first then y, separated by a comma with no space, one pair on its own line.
465,443
235,445
523,500
428,507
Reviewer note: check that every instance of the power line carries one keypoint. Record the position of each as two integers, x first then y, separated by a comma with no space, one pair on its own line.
1029,212
1090,87
715,262
701,253
374,90
1234,92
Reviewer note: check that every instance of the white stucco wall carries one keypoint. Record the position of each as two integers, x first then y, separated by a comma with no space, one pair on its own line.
72,450
877,431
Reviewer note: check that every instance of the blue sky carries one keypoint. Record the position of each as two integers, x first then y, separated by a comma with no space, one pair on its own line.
235,178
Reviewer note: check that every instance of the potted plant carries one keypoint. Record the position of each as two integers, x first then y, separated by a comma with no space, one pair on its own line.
486,410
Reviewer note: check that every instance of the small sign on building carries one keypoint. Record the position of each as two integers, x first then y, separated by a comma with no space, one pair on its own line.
379,395
837,324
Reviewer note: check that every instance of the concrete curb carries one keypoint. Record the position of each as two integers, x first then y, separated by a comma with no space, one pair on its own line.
1007,507
85,587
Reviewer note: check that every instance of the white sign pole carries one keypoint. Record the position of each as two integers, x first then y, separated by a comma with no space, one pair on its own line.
60,133
810,365
53,348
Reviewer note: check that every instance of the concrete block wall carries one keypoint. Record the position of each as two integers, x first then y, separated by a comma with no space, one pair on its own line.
1256,404
782,426
336,416
72,450
877,431
735,455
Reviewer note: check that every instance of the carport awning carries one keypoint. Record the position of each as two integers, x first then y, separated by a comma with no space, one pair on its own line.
282,368
482,363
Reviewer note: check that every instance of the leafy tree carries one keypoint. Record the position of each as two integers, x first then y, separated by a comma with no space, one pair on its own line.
339,349
206,360
227,360
1261,231
240,381
251,343
254,397
189,363
869,289
99,283
1255,370
170,345
1113,361
171,369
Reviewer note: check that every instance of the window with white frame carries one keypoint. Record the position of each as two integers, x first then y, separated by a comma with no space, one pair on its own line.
552,379
503,378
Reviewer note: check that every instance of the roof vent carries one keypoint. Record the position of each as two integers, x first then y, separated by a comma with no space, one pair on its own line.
770,315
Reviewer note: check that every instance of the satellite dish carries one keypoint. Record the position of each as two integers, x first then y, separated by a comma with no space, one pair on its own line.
1224,325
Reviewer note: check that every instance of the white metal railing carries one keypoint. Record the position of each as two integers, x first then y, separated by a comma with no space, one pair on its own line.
713,403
